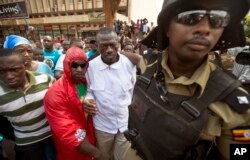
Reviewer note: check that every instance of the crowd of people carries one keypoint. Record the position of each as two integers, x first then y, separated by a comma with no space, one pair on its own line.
31,70
84,100
135,31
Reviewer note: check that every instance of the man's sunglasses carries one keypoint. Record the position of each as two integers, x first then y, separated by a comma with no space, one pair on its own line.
76,65
217,18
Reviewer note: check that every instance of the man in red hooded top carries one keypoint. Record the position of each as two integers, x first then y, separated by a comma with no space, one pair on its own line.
72,129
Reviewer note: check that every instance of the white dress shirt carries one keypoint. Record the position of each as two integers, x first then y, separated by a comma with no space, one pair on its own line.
112,88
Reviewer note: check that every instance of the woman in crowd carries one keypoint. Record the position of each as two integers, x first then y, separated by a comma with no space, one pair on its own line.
24,46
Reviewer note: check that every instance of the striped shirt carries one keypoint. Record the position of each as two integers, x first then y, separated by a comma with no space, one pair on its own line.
25,110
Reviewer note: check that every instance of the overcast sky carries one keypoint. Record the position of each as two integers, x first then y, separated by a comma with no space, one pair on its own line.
149,9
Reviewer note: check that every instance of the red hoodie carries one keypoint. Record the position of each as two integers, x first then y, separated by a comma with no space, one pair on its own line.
65,112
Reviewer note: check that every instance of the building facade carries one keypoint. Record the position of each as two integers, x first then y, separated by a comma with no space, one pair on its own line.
62,19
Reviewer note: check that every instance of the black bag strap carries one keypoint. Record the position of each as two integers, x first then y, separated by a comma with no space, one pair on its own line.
152,68
220,87
217,88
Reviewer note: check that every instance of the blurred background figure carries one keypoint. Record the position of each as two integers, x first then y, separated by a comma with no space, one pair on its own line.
38,55
58,47
77,43
93,52
38,44
51,55
59,64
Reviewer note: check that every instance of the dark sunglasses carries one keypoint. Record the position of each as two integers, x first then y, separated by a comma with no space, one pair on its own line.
76,65
217,18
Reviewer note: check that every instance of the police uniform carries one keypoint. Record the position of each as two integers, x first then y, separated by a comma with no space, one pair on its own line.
222,120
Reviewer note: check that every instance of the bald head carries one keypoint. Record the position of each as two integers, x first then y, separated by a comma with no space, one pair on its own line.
105,34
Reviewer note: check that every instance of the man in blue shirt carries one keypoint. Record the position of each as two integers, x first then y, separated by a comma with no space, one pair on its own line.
51,55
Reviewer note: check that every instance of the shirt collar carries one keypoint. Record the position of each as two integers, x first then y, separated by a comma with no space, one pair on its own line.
31,78
116,65
200,76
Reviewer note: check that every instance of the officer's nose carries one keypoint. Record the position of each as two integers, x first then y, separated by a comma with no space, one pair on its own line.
203,27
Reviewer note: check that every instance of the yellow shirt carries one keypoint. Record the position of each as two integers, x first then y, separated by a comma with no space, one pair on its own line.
221,118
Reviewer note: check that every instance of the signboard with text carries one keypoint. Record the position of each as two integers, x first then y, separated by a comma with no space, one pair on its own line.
13,10
96,16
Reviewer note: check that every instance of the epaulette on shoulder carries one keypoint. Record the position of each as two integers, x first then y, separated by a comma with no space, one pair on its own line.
238,100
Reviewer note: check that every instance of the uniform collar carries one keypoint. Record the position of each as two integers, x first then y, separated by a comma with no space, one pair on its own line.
200,76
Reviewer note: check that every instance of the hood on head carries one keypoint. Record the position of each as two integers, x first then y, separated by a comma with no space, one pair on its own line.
232,36
72,54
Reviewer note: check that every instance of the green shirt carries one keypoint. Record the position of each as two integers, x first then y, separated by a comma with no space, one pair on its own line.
81,90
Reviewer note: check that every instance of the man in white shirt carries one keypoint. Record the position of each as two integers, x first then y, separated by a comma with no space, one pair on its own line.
111,77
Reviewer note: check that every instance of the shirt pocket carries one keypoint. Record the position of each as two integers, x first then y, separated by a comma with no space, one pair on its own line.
99,93
127,86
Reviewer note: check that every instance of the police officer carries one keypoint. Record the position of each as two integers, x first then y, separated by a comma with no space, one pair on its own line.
187,107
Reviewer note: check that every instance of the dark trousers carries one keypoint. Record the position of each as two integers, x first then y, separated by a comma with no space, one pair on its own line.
43,150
